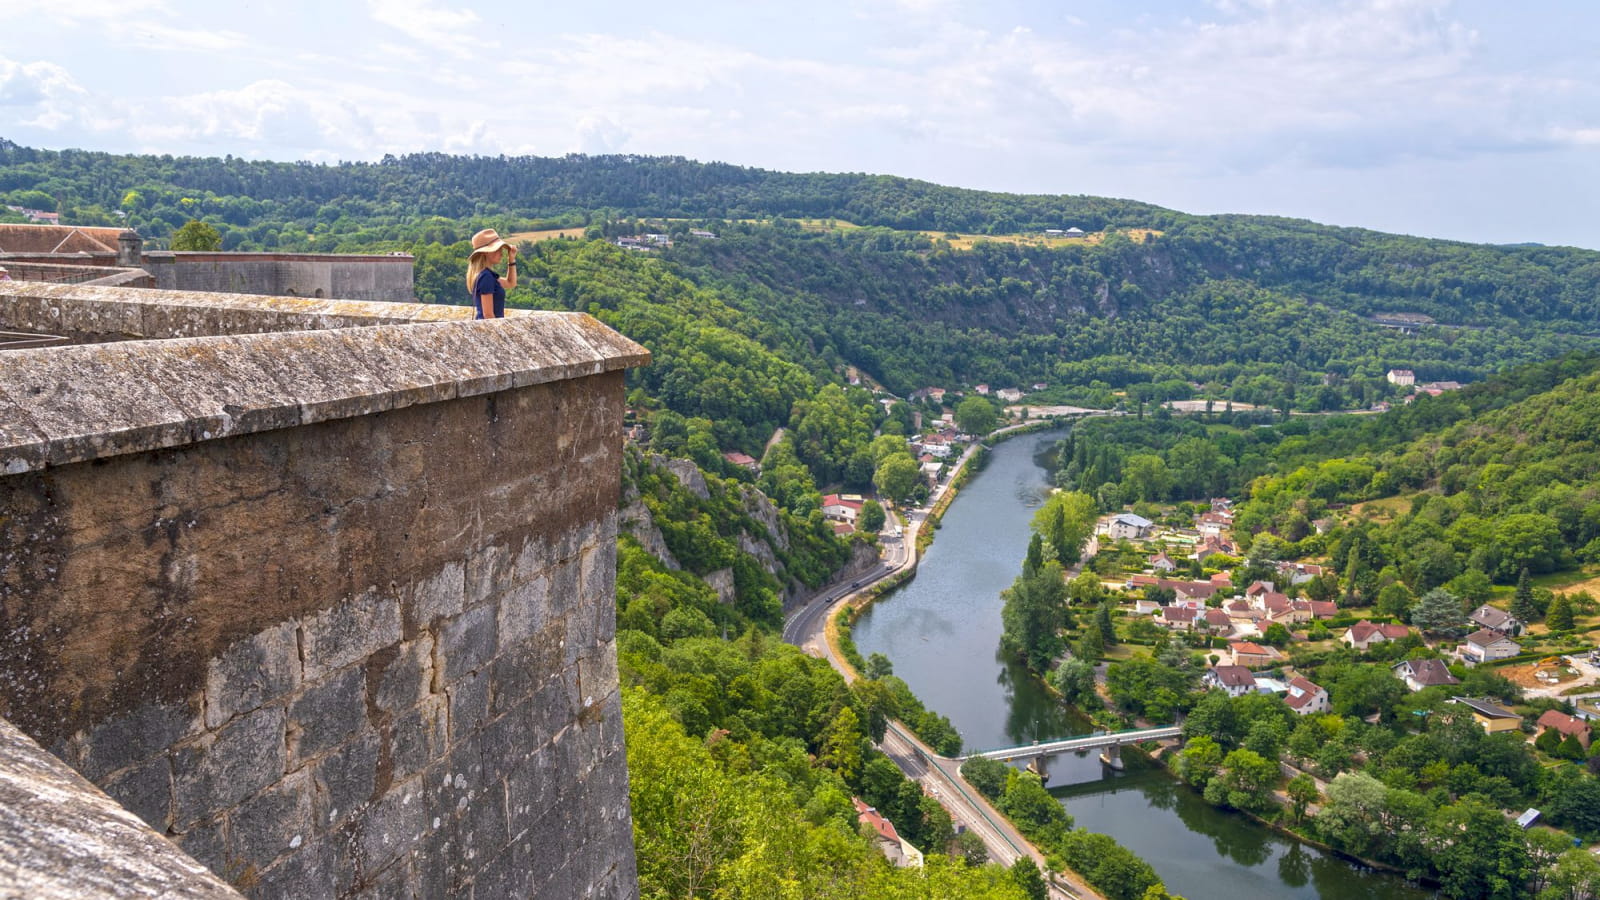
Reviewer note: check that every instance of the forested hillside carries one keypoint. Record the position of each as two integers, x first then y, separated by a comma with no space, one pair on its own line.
1251,309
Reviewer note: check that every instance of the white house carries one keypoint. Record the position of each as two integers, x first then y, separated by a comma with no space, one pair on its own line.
1485,645
1129,525
1305,697
1401,377
1235,680
844,508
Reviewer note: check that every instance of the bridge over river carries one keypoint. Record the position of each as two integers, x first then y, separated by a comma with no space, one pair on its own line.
1109,743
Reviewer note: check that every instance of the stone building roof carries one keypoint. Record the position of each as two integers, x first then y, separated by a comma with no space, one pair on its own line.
36,239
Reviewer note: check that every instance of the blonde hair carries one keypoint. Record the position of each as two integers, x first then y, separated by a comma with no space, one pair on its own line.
475,267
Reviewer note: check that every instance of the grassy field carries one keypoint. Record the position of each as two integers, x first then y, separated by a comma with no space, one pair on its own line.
549,234
959,241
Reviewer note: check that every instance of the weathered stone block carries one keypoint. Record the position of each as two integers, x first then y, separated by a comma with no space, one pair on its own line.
345,781
511,873
349,631
466,642
403,681
524,609
469,705
206,843
435,596
566,586
217,771
533,785
483,826
597,674
488,572
145,790
519,671
389,828
554,707
133,737
316,871
252,672
272,823
326,713
417,738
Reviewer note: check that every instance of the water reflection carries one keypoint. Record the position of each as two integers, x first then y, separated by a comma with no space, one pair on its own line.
1205,853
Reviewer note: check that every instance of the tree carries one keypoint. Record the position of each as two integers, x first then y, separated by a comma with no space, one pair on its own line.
1561,616
987,775
1477,851
1026,875
879,666
971,848
1074,678
1276,635
872,517
1034,612
976,416
1066,522
896,476
1302,791
1102,621
1522,605
1575,876
196,235
1245,781
1438,612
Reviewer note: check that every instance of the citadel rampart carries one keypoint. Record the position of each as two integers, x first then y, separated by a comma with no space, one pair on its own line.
323,591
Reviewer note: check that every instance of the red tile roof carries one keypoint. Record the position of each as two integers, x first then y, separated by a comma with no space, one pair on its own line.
1563,723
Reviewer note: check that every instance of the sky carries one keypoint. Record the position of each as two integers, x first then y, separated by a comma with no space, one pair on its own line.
1474,120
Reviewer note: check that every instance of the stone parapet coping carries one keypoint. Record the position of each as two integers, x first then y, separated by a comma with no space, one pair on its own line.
72,404
155,314
62,839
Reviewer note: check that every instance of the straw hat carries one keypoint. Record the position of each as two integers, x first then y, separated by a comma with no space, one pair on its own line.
487,241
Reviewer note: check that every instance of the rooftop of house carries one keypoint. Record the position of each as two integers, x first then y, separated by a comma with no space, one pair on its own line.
1234,676
1560,721
1484,637
1485,708
1427,672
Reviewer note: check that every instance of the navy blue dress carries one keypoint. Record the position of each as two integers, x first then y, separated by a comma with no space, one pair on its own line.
489,283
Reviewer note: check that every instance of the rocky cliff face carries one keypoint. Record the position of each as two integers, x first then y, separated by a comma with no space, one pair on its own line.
762,532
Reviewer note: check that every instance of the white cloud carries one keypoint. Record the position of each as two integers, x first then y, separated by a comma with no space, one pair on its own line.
41,94
146,33
440,27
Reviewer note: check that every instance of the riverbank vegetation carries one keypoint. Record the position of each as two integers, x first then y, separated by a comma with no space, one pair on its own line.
1486,496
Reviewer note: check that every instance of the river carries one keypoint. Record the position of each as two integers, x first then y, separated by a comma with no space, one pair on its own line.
942,632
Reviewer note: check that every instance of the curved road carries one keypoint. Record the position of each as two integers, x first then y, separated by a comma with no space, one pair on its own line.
940,776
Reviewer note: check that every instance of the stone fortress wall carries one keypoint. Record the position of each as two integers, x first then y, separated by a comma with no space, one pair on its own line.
322,591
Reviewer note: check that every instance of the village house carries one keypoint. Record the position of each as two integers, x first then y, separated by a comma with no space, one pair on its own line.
1241,610
1305,697
1424,673
1009,395
1212,544
1144,607
1567,726
1161,562
1492,718
1252,655
899,851
982,389
1299,572
843,508
1401,377
742,460
1218,623
1485,645
1181,618
1362,635
1129,525
1235,680
1495,619
1213,524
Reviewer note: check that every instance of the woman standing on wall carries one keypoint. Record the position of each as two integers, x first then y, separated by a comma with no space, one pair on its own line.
488,289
